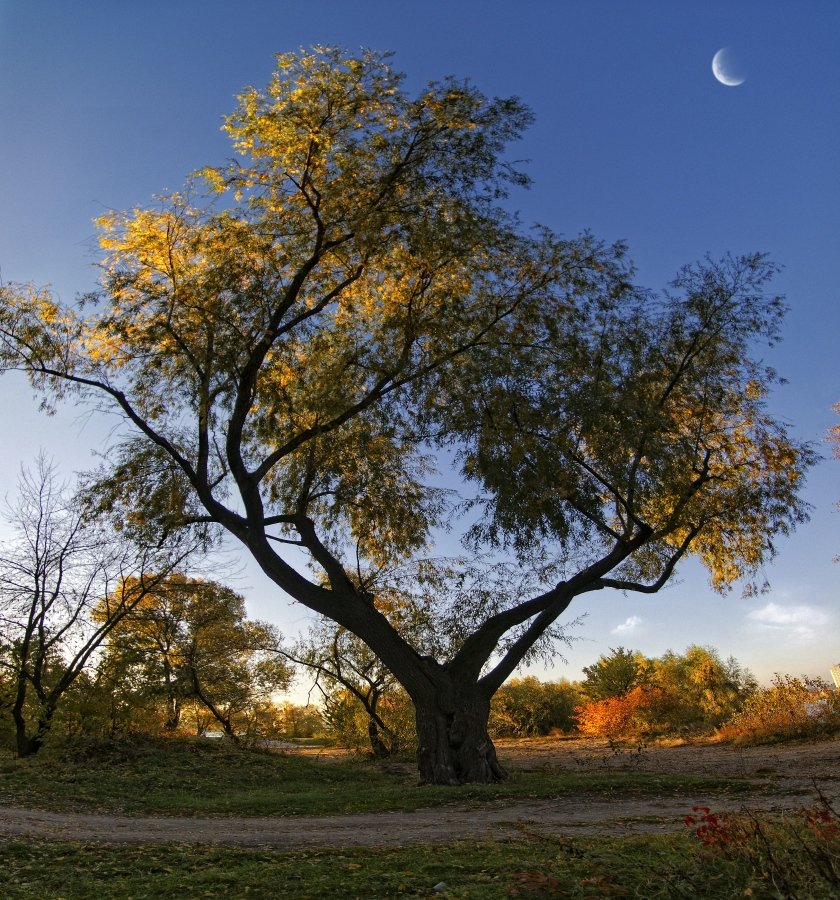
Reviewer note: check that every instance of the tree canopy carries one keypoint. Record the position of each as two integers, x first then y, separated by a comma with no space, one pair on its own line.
189,641
293,338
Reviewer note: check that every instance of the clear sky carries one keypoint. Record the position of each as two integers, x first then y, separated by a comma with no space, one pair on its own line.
108,102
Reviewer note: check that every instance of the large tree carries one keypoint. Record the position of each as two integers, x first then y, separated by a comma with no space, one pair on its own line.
354,296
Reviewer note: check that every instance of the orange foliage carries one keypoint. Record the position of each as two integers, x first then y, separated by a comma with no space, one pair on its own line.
621,716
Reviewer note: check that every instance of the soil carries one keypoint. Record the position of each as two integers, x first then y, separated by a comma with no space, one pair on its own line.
785,777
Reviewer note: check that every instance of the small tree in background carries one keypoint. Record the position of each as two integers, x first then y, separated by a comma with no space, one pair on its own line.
61,563
348,723
295,721
614,675
700,690
189,643
523,707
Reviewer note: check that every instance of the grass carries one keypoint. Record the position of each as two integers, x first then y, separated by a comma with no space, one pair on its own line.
661,866
741,856
202,778
532,868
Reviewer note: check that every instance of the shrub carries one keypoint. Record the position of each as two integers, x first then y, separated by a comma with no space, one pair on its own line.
630,695
789,708
635,714
523,707
778,856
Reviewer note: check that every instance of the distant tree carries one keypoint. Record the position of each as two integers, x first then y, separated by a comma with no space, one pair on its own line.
702,689
190,640
343,664
296,721
348,722
527,706
59,563
352,294
346,669
614,675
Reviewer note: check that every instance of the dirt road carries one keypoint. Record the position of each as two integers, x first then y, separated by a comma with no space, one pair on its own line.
785,776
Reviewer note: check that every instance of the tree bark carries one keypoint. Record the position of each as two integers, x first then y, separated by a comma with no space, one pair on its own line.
173,713
453,743
378,747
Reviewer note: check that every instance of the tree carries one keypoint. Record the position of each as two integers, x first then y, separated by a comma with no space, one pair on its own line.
348,673
527,706
190,640
614,675
702,688
59,562
343,664
354,296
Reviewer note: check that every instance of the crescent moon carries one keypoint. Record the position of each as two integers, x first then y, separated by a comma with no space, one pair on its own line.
723,67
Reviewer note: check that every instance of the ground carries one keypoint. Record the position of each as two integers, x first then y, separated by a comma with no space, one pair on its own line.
785,777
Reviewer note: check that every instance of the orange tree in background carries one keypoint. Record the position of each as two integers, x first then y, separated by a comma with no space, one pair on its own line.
289,341
623,716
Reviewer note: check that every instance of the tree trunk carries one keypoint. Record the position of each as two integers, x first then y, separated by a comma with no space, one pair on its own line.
28,744
377,728
453,744
173,713
378,747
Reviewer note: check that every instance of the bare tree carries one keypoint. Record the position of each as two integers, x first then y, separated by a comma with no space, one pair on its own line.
58,565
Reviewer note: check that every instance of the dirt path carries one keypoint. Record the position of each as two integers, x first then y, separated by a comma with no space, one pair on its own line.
785,775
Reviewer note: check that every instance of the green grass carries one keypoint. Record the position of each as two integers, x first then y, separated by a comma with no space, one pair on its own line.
535,868
183,777
200,778
662,866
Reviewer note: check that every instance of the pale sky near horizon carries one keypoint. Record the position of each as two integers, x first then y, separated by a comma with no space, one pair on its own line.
105,104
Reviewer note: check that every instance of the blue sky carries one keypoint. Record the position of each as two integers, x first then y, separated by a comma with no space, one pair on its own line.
104,104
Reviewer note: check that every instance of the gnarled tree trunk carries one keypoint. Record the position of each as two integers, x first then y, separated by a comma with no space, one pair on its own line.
453,744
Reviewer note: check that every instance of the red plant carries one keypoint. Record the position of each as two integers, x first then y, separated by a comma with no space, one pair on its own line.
713,829
820,822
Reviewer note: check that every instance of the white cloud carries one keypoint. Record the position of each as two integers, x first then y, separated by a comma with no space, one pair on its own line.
630,624
802,622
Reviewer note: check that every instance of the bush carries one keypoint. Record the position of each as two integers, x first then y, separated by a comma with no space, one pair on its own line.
527,706
692,692
772,856
789,708
347,722
636,714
